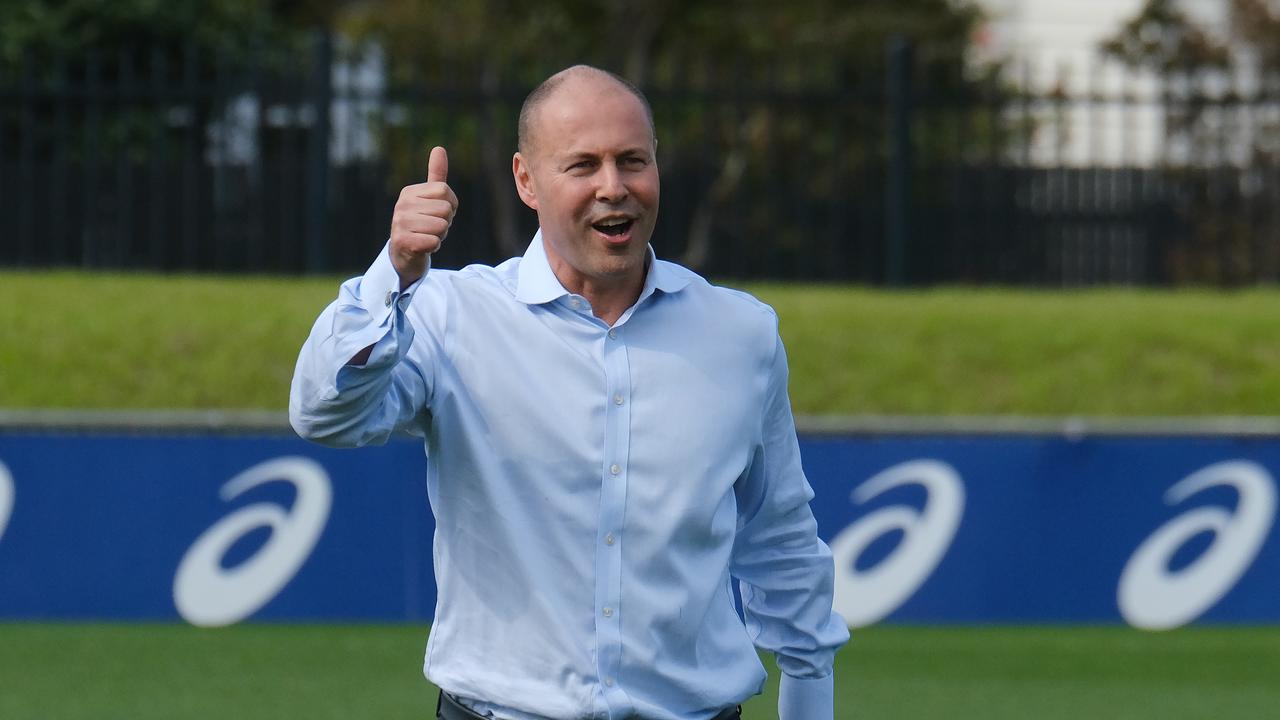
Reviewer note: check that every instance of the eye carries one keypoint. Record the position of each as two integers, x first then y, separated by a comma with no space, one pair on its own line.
633,161
581,165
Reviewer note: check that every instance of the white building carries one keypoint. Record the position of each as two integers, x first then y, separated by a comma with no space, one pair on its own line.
1054,45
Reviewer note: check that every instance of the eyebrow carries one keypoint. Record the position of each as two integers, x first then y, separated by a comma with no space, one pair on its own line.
584,155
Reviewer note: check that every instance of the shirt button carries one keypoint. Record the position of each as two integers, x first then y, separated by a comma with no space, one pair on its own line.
615,468
617,399
575,303
613,334
608,539
387,300
608,682
608,612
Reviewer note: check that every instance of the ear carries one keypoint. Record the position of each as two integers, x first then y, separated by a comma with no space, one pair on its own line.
524,181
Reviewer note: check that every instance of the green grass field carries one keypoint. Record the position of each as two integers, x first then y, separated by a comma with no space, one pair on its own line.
79,340
273,672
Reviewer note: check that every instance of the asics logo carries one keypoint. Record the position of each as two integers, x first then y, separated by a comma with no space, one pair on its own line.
1151,596
6,498
864,597
208,595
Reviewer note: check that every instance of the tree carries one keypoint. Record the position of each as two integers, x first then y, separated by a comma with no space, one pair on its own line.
1256,24
73,29
1213,159
761,59
770,114
83,46
1163,39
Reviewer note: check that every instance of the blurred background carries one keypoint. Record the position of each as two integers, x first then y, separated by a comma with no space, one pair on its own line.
885,143
1024,253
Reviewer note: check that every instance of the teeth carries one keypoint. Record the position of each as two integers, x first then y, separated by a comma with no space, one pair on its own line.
614,223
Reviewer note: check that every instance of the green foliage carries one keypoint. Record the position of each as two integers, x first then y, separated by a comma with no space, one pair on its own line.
75,340
1258,24
633,36
748,94
757,99
1217,91
72,28
1162,38
148,69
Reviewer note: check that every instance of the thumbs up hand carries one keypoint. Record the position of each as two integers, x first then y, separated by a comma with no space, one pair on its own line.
421,219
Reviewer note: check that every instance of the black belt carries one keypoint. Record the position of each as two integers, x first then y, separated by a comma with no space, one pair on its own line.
448,708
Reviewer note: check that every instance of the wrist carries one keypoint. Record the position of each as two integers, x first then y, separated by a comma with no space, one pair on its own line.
409,276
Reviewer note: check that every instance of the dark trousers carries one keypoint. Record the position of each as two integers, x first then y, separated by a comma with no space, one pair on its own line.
448,708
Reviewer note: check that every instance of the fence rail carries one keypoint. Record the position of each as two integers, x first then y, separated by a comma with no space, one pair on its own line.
898,171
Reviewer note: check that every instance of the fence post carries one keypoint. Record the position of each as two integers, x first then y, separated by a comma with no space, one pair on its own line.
26,162
897,230
317,245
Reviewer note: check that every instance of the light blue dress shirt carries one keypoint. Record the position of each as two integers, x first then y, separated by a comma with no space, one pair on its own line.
595,488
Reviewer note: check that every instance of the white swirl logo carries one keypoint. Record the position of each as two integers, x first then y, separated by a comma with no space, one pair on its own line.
1153,598
868,596
206,594
6,498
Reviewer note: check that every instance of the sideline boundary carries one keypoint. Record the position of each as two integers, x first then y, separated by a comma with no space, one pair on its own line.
277,422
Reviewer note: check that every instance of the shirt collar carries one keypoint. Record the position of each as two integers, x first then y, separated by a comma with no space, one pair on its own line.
537,284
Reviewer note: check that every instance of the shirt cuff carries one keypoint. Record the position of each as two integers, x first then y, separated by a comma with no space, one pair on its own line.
380,292
806,698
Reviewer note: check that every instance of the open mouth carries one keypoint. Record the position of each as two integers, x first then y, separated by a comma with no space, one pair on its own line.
614,227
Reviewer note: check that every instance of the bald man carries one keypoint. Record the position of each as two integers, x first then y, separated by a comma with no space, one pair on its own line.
609,436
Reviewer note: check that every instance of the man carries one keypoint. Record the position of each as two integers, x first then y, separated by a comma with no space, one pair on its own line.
610,441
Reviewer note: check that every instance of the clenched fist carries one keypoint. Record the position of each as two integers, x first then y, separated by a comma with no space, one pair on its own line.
421,219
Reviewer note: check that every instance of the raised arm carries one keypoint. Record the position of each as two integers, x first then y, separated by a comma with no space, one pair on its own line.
356,380
421,220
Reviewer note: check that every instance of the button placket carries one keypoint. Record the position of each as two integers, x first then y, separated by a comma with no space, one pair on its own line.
613,491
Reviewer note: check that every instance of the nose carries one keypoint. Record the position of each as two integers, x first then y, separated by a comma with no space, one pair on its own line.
611,189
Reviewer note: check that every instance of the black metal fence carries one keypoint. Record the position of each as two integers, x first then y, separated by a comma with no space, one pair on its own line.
900,170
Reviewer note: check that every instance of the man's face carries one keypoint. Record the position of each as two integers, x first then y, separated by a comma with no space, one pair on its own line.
591,173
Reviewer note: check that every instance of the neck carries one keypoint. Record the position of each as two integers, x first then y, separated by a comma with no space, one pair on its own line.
609,297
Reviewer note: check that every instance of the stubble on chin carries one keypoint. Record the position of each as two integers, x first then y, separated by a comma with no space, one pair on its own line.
620,265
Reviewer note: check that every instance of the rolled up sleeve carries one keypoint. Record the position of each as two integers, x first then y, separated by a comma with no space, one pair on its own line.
336,403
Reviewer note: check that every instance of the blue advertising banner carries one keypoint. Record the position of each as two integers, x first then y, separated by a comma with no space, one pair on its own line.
214,529
1157,532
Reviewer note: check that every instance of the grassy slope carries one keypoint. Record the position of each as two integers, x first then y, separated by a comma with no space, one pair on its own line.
75,672
139,341
1111,352
143,341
